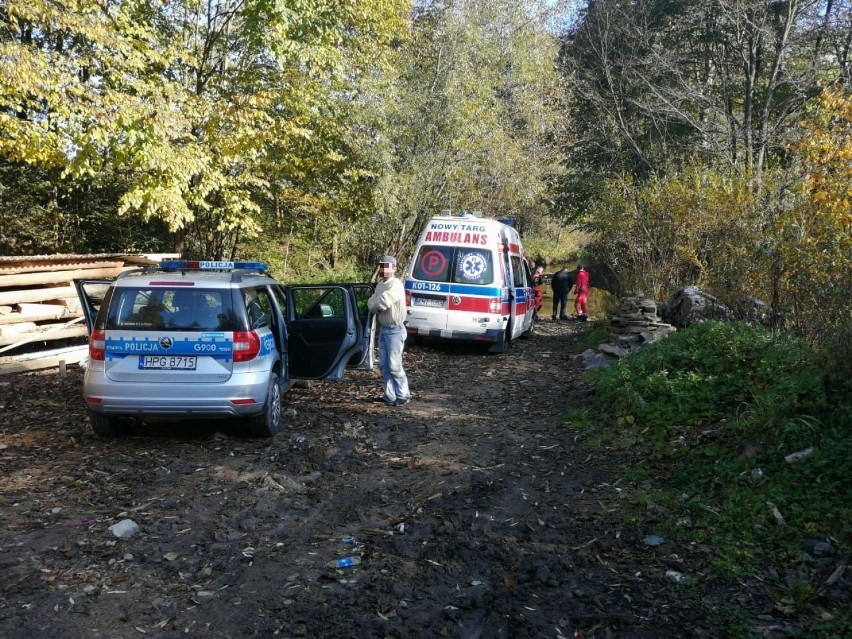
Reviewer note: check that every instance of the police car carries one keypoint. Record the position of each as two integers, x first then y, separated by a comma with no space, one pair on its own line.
197,339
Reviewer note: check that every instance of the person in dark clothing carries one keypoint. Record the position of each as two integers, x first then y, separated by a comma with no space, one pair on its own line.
561,284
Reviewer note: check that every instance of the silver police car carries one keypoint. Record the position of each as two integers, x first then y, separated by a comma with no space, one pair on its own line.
214,339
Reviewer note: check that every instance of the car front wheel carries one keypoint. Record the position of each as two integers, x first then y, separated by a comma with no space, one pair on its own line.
268,422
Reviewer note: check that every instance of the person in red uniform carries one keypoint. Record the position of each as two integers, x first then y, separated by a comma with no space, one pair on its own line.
582,291
537,283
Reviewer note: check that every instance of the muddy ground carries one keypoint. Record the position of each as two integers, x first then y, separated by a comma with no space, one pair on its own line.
475,511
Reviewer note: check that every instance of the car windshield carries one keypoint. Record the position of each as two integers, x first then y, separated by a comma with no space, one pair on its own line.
457,264
178,308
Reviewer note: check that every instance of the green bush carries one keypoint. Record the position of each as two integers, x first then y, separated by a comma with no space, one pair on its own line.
709,416
711,372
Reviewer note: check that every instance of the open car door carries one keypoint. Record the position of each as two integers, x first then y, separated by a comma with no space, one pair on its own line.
364,359
92,294
326,331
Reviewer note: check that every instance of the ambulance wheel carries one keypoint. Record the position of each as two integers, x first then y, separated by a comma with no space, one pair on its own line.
107,425
529,332
268,422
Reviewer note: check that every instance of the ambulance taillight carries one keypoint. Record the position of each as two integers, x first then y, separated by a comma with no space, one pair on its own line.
495,306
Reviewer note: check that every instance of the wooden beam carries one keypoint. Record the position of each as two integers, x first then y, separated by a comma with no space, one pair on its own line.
44,336
12,330
47,265
41,363
59,276
14,318
36,294
42,308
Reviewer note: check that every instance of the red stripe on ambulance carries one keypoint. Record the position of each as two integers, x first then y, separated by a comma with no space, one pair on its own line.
474,304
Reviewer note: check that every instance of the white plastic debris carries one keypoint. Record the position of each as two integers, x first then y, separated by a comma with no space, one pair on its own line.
674,576
779,518
125,529
792,458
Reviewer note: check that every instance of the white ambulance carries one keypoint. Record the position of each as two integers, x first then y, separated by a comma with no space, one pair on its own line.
468,280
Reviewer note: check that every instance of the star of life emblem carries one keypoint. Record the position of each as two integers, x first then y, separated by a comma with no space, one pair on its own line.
473,265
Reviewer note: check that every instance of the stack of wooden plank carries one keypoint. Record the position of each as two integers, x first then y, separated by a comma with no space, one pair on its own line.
38,301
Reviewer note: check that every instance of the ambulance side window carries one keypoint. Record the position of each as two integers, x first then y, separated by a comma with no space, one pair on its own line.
518,272
528,273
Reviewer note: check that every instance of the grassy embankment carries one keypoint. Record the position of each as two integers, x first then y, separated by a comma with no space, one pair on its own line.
708,417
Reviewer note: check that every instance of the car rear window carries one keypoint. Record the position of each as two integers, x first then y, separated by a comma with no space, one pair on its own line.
457,264
177,309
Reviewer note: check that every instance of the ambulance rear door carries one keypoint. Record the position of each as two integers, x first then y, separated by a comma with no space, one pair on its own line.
476,296
522,302
428,289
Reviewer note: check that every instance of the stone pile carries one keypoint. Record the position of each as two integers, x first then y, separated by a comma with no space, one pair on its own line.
634,324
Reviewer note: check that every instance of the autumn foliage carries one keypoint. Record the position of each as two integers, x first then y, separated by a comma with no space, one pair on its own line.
784,236
818,233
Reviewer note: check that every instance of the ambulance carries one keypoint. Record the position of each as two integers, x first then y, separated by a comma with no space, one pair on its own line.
468,280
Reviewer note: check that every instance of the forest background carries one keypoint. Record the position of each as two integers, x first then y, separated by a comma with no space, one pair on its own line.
672,142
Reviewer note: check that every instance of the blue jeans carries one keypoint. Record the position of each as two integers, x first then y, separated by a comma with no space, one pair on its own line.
391,344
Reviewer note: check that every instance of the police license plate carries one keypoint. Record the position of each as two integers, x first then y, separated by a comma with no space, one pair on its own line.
427,301
168,362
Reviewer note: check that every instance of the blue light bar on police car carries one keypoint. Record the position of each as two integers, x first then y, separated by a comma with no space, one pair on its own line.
212,265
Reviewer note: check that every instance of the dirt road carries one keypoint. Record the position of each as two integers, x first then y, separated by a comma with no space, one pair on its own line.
474,511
